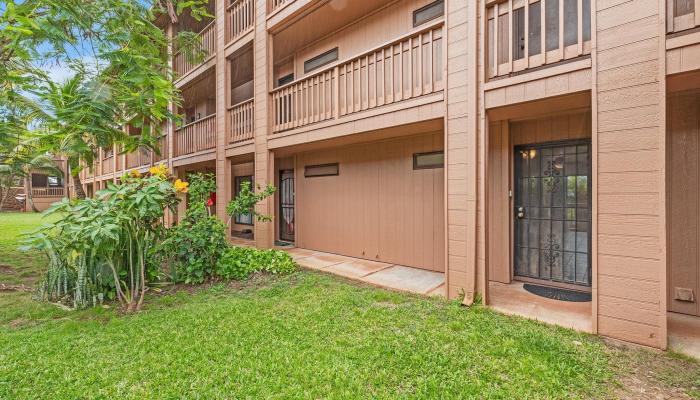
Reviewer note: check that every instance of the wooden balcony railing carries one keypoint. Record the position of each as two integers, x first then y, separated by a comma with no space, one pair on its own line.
48,192
163,148
196,136
240,119
138,158
274,5
240,15
403,69
108,165
525,34
207,43
682,15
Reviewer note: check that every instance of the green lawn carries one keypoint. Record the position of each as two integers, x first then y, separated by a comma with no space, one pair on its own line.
307,335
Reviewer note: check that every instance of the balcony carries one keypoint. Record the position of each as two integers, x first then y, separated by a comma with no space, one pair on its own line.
108,164
163,147
525,34
275,5
403,69
196,136
682,15
138,158
206,43
240,120
39,192
240,17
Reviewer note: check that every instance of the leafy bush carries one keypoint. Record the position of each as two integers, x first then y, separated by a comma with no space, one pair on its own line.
193,247
240,262
100,247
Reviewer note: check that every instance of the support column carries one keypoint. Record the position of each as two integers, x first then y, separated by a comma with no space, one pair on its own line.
629,137
223,185
461,149
264,159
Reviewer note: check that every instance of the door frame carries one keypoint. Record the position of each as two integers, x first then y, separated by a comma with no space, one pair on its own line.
281,206
511,203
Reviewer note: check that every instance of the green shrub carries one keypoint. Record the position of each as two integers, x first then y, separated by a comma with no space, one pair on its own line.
193,247
240,262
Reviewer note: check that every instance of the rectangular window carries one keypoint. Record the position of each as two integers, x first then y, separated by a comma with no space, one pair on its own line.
312,171
321,60
551,27
534,44
519,33
244,219
39,180
285,79
434,159
570,22
428,13
54,181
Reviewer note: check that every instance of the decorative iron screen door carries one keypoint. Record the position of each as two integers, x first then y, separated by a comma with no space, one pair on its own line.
552,228
286,191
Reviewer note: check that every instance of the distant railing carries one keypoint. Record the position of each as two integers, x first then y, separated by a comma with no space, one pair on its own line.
240,119
196,136
406,68
206,43
524,34
138,158
274,5
108,165
682,15
163,148
240,15
48,192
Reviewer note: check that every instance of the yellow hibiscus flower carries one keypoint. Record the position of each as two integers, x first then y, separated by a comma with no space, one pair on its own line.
181,186
135,173
159,170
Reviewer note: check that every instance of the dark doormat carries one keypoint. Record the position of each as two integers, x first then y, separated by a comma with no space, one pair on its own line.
557,293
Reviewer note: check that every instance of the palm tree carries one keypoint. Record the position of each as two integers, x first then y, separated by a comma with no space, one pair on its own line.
77,118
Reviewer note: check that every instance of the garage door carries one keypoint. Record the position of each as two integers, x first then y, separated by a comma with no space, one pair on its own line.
371,201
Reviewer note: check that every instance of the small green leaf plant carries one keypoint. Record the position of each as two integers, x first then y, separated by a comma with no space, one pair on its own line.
245,201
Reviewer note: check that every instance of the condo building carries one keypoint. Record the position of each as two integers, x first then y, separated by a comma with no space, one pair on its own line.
492,143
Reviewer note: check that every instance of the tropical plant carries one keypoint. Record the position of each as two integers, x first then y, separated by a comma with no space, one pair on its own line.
245,201
193,247
240,262
118,59
100,248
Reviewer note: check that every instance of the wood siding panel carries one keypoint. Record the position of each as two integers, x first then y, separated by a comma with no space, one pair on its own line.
629,104
378,207
683,204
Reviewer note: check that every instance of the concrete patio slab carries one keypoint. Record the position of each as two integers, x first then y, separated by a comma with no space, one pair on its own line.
514,300
322,260
381,274
357,268
684,334
406,278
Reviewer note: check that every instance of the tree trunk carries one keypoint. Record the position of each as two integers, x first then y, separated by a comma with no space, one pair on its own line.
29,196
78,187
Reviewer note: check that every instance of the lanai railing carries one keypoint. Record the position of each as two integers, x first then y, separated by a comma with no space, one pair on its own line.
163,147
48,192
524,34
108,164
206,42
240,15
138,158
274,5
682,15
196,136
403,69
240,119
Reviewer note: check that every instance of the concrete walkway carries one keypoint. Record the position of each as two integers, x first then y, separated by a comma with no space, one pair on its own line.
396,277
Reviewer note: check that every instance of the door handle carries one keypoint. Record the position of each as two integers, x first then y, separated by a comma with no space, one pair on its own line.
520,213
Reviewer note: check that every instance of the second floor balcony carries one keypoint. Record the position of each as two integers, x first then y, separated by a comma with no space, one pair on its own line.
406,68
524,34
195,136
240,18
